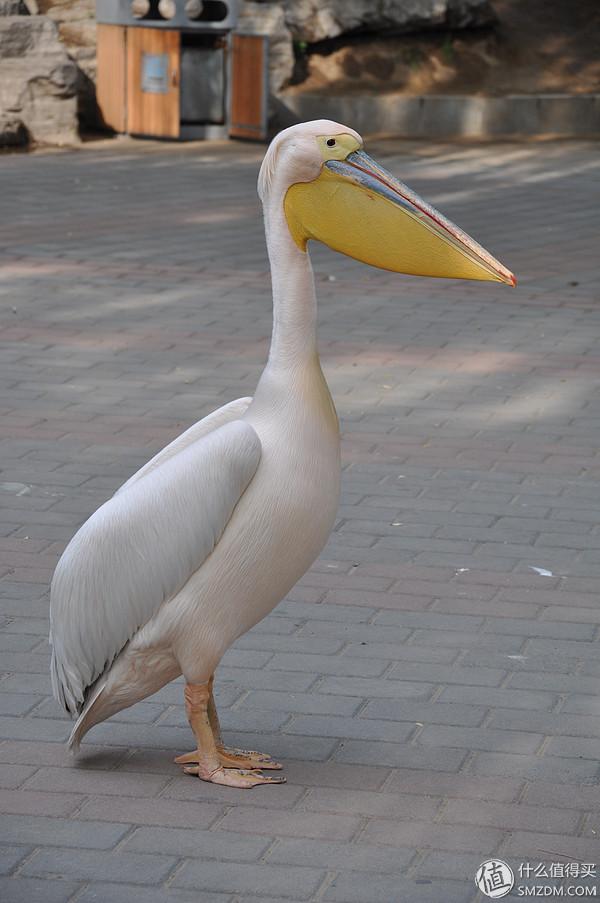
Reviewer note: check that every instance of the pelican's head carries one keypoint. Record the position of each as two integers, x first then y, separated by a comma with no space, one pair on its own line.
333,192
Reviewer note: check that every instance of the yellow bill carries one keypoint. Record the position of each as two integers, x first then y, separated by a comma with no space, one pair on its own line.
358,208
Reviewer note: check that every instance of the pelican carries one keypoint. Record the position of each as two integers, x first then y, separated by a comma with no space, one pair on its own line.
211,534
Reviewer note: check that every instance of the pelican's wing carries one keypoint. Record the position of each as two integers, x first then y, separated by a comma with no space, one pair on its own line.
226,414
139,549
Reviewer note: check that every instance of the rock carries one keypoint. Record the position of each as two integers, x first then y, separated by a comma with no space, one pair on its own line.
269,19
310,21
470,14
76,21
13,8
313,21
12,132
38,80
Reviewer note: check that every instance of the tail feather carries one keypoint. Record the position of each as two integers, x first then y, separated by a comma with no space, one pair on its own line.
88,718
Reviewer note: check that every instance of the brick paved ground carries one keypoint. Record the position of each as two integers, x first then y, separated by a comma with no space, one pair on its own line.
434,699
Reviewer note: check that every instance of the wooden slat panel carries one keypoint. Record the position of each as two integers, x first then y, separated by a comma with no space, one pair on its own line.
249,94
111,87
147,113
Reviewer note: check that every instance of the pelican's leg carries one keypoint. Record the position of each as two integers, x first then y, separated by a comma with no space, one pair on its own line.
229,757
209,767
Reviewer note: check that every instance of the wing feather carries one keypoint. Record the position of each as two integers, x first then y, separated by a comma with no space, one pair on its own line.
227,413
139,548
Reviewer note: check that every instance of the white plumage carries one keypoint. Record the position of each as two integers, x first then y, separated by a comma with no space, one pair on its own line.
132,555
211,534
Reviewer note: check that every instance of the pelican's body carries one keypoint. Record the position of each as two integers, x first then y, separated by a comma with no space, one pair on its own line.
210,535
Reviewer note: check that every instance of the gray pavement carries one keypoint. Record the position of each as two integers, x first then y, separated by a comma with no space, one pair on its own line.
432,685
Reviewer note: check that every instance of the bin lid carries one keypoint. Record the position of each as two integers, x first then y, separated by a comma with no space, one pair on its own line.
182,15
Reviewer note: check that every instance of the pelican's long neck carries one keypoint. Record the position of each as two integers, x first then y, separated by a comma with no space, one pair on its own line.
292,379
294,338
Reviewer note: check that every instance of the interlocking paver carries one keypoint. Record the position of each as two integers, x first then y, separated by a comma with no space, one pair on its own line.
264,879
434,697
91,865
98,892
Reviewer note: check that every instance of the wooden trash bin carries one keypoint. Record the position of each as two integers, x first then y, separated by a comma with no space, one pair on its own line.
187,76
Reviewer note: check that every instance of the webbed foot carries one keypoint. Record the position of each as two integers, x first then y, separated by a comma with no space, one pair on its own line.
230,757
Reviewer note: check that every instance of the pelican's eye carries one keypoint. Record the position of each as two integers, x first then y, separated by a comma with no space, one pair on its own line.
336,148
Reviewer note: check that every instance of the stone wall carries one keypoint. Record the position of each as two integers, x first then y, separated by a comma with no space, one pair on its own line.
310,22
50,80
76,23
38,82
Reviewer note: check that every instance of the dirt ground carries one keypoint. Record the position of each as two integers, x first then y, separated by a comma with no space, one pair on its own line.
537,46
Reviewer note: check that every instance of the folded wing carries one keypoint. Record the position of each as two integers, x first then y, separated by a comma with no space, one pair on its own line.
231,411
139,549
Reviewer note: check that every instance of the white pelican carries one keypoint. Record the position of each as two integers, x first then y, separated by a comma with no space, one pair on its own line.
204,541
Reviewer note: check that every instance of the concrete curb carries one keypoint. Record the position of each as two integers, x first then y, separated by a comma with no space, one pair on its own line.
452,116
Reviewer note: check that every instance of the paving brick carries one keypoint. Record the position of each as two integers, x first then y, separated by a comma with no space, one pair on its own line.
310,644
60,780
99,892
14,775
11,856
540,627
509,698
461,640
452,674
344,665
497,608
399,601
425,835
334,774
548,768
43,753
558,683
309,703
396,652
573,747
353,728
461,786
446,865
356,887
94,865
398,755
575,649
562,723
480,738
264,679
263,880
424,712
430,619
365,802
582,705
290,824
160,811
360,686
334,855
194,844
61,832
511,816
34,890
14,642
35,802
529,843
